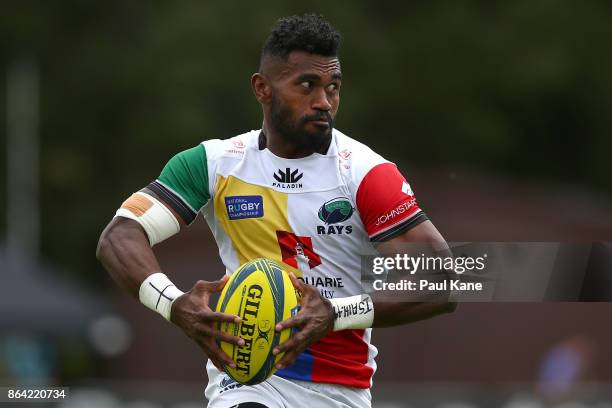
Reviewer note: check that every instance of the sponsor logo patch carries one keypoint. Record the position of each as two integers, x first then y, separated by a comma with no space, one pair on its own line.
345,154
333,212
336,210
288,178
325,284
399,210
237,147
240,207
297,251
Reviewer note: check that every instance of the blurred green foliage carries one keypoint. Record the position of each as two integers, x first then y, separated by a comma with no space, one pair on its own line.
515,86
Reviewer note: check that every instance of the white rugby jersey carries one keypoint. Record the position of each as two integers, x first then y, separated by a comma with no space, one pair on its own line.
316,214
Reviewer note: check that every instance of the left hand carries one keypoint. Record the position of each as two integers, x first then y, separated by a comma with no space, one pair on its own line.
315,319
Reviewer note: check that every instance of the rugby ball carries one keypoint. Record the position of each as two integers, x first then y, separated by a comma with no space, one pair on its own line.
261,293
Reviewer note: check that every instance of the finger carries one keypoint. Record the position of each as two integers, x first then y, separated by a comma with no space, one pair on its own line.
226,337
206,331
214,359
210,316
217,286
202,286
291,343
216,353
295,321
298,284
305,291
288,358
218,364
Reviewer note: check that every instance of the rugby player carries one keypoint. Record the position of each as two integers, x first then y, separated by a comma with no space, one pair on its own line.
297,191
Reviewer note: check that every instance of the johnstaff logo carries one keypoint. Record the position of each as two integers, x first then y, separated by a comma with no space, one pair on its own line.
335,211
288,178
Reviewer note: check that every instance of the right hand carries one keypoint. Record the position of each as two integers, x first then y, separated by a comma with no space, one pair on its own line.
193,315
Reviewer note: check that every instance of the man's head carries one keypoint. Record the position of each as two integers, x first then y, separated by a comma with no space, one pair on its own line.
298,83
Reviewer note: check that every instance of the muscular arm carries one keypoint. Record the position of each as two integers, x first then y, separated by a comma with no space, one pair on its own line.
396,313
125,252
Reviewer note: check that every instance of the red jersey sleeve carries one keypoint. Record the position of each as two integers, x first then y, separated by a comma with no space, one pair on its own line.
386,203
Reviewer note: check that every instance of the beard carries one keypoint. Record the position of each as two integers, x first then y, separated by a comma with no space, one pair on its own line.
296,132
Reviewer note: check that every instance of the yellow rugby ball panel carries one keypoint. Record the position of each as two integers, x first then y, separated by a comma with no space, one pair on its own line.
261,293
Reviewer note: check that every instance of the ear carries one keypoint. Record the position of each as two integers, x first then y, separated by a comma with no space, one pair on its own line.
262,89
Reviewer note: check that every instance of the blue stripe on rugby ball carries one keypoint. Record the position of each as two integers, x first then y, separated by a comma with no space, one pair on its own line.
274,274
275,278
241,274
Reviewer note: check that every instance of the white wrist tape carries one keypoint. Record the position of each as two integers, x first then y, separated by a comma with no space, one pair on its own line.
157,220
354,312
157,292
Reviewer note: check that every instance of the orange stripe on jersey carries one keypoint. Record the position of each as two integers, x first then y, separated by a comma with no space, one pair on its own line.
137,204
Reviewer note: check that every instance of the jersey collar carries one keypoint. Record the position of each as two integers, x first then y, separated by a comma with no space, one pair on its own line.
325,150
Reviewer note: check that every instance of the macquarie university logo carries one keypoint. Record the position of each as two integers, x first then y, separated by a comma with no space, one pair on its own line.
334,212
287,178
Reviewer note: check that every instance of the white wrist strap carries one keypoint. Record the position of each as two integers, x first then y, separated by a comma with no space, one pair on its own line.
158,293
354,312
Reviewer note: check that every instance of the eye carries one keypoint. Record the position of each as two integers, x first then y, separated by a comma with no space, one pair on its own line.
333,87
306,84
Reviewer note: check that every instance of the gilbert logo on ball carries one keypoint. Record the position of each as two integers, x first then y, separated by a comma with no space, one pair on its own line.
261,293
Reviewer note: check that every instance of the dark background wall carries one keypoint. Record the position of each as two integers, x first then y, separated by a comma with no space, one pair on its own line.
496,111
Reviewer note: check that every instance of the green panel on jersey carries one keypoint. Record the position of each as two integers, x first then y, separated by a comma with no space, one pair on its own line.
187,175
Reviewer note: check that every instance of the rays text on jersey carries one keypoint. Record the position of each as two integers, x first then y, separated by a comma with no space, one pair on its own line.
334,229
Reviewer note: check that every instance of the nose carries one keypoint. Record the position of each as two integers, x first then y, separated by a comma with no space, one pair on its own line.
320,101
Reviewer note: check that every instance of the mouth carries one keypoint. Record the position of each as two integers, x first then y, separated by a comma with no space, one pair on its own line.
320,123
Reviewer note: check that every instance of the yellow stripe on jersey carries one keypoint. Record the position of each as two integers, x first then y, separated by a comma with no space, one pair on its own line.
253,237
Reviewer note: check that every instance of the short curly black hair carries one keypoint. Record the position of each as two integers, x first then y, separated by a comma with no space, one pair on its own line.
308,32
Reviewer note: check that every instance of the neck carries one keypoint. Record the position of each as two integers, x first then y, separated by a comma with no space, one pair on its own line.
281,148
